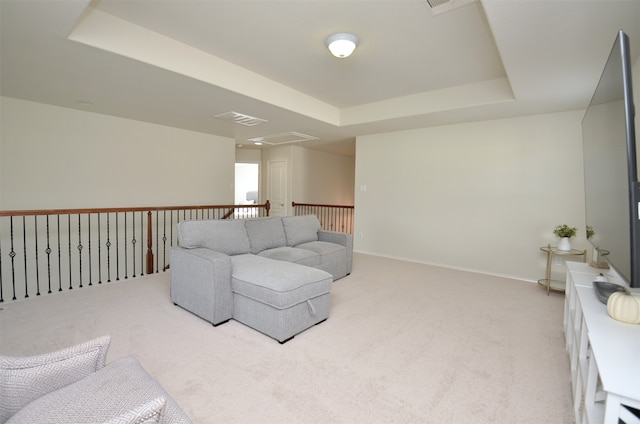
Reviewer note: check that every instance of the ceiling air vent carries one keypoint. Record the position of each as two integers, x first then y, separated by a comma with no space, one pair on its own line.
283,138
240,118
436,3
439,6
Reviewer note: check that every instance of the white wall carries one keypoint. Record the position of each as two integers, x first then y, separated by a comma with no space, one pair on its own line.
481,196
53,157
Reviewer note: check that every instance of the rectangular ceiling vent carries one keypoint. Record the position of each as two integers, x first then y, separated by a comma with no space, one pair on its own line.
240,118
440,6
282,138
436,3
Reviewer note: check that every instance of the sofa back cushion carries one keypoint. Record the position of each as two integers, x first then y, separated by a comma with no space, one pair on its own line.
265,233
227,236
300,229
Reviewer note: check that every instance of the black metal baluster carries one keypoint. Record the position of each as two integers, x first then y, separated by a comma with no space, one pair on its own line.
24,253
164,240
157,242
48,252
133,243
171,228
108,244
12,255
59,258
1,285
332,214
69,248
89,245
142,262
35,220
99,252
80,247
117,250
126,258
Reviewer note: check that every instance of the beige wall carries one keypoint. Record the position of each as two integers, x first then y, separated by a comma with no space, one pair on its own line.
248,155
313,176
480,196
53,157
322,177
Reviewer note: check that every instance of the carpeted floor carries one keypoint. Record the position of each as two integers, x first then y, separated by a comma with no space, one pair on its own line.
404,343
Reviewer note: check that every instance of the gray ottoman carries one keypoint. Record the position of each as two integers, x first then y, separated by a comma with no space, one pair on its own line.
288,299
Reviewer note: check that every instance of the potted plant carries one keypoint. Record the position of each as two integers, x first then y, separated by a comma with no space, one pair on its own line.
565,233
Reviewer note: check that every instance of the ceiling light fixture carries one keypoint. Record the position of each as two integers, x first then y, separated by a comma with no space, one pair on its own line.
342,44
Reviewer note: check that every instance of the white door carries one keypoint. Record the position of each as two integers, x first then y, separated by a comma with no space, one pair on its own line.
277,187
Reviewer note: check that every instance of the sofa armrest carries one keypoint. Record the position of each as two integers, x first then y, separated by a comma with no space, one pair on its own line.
120,392
201,283
342,239
26,378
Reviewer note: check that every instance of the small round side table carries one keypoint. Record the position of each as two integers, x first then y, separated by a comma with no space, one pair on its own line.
547,282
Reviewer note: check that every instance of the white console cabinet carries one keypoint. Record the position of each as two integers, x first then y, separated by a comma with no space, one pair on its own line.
604,353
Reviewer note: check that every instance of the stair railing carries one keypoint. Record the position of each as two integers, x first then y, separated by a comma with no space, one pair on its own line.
46,251
331,217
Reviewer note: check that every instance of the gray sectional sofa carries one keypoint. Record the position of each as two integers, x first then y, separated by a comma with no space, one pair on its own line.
74,386
273,274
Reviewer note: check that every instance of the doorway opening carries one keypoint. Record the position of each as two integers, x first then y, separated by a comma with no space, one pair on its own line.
247,183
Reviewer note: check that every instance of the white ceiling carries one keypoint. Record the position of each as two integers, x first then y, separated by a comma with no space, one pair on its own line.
180,62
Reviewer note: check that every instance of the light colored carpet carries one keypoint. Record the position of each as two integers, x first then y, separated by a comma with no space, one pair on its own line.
404,343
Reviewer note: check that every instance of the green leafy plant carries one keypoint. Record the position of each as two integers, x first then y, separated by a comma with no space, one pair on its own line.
565,231
590,232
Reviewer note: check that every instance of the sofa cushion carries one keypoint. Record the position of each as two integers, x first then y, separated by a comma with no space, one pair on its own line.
277,283
24,379
119,390
265,233
292,254
332,256
300,229
323,248
227,236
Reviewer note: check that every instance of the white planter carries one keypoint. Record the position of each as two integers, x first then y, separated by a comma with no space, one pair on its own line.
565,244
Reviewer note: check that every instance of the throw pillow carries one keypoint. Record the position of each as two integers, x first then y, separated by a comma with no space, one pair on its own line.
301,229
23,379
227,236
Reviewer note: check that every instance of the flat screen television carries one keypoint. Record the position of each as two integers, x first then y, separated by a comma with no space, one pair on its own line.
611,183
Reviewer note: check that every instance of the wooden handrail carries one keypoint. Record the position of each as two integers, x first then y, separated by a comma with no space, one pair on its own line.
294,204
32,212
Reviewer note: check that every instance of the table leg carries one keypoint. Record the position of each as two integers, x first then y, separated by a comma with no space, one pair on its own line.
548,276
